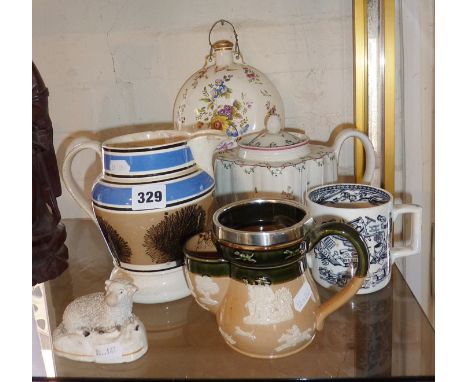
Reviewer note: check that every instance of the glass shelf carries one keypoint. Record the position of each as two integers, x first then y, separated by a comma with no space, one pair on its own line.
384,334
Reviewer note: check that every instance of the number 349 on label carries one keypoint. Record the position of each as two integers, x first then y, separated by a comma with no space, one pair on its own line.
148,196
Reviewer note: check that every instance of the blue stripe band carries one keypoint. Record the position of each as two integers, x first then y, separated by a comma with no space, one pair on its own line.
183,189
151,162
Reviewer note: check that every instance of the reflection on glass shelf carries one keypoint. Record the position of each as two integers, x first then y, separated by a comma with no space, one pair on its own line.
43,328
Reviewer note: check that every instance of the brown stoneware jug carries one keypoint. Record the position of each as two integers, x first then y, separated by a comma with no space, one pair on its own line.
254,276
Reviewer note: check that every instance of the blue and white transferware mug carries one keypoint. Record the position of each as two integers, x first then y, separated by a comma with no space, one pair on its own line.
371,211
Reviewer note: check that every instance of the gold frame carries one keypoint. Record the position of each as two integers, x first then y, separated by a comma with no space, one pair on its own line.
361,100
389,95
360,82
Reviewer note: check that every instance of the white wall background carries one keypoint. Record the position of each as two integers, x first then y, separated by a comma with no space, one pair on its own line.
115,66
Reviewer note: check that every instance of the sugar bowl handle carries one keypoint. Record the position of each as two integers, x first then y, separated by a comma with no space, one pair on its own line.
70,182
368,149
351,288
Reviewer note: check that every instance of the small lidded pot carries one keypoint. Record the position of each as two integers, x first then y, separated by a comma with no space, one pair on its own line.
279,163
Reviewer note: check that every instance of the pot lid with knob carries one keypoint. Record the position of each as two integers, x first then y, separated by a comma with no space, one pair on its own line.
274,143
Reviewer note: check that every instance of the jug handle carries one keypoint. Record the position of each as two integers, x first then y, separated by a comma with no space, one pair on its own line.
368,149
351,288
70,182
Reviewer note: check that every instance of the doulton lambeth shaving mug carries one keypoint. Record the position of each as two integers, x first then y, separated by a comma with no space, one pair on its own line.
155,191
371,211
258,283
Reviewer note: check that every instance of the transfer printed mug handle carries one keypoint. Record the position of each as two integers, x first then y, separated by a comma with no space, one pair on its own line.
416,228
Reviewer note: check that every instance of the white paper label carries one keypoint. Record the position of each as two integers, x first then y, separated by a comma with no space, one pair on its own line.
119,166
109,353
302,297
148,196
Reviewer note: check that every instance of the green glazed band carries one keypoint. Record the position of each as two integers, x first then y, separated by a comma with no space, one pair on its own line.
207,268
248,275
257,275
273,256
268,276
350,234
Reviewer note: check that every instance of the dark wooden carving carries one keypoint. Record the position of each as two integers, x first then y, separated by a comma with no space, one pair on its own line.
49,253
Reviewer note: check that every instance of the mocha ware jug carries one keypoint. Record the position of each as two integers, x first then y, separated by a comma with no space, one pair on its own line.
255,278
155,191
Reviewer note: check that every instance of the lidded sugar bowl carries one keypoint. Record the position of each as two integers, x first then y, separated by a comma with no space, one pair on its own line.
227,95
276,162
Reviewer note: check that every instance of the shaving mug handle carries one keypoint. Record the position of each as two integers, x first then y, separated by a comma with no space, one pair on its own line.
416,230
70,182
368,150
351,288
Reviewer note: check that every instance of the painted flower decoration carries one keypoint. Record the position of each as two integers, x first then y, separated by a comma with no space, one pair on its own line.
232,132
271,109
219,89
252,76
219,113
219,122
226,111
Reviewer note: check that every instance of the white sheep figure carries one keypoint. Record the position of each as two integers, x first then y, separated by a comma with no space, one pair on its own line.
100,327
101,312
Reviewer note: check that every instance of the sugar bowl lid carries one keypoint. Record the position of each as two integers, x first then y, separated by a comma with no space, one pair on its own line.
273,137
274,143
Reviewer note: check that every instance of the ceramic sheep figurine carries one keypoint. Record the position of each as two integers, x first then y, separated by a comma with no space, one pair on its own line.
99,311
100,327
